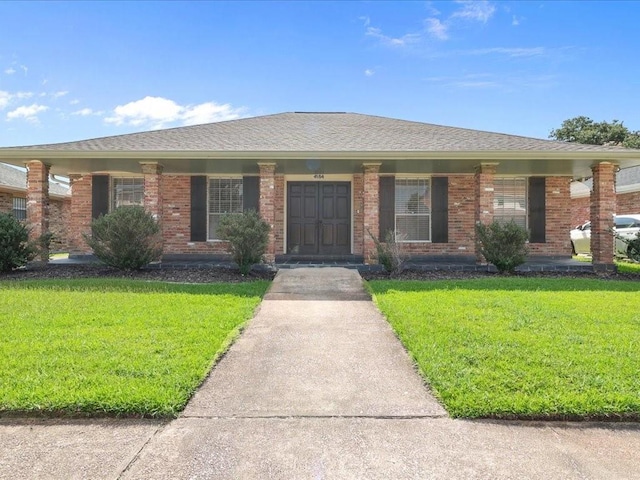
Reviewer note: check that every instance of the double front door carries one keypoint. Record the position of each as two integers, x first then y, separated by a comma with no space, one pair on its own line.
319,218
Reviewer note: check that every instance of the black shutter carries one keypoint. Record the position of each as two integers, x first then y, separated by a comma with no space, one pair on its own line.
99,195
386,206
537,210
440,210
199,209
251,193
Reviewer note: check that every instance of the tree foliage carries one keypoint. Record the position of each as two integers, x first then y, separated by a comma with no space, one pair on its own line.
585,130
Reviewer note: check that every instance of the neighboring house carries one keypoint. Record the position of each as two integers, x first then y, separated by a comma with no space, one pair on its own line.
326,182
627,195
13,199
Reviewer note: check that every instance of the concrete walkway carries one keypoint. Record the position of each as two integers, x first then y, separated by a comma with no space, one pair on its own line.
317,387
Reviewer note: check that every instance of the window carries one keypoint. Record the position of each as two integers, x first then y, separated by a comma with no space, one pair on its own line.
20,208
413,209
510,200
225,196
127,191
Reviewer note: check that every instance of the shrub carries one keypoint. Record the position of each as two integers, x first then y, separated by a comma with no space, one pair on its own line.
15,248
390,253
127,238
503,244
248,236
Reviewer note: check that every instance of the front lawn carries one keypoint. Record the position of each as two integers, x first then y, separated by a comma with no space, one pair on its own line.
112,346
522,347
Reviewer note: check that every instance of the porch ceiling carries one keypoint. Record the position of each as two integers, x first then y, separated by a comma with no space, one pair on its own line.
575,164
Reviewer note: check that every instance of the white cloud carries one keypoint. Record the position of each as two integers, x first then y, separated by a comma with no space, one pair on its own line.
59,94
75,101
369,72
30,113
480,11
10,71
436,28
5,97
515,21
85,112
510,52
407,39
158,112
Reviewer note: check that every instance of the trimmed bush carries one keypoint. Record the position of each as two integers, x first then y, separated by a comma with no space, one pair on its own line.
248,237
15,248
127,238
503,244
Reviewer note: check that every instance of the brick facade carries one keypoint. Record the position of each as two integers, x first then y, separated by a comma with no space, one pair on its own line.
371,180
603,208
38,201
464,209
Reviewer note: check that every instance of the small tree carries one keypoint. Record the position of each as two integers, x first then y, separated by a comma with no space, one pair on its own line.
503,244
127,238
15,248
248,237
390,253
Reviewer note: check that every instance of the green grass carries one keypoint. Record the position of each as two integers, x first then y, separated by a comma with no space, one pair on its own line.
522,347
116,347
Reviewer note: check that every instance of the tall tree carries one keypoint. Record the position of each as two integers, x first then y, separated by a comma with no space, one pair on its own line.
584,130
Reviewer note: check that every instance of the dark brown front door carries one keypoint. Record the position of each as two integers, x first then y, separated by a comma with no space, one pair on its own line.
319,218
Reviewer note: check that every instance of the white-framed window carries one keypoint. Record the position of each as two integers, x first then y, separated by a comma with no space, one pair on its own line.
413,209
225,196
510,200
126,191
20,208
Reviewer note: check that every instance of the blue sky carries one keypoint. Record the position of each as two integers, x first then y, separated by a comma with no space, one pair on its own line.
73,70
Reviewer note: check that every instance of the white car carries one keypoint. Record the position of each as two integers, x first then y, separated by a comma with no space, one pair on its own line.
626,226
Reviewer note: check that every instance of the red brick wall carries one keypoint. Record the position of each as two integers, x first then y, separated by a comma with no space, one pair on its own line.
557,219
279,219
267,204
59,223
628,203
603,207
38,200
371,209
358,214
580,211
176,219
6,202
80,218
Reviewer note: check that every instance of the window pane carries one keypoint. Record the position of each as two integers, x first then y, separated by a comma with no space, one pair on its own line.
225,196
20,208
510,200
413,209
127,191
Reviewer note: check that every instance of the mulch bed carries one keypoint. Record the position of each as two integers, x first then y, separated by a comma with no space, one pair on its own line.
204,274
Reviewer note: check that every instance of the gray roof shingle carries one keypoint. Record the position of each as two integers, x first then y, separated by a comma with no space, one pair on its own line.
16,179
318,132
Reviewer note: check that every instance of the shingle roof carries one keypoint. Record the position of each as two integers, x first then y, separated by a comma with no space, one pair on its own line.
16,179
318,132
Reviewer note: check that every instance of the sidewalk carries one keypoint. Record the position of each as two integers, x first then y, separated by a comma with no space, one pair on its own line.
317,387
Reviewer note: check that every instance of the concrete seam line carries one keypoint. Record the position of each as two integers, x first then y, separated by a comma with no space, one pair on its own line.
142,447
